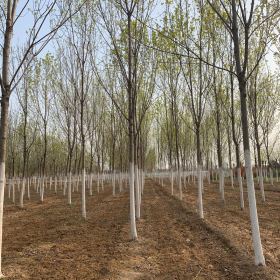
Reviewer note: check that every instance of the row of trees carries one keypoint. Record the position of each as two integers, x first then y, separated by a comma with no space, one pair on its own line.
119,91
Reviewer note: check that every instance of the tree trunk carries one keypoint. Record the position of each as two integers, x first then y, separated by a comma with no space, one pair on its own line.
236,144
199,174
5,88
131,133
259,257
69,199
3,141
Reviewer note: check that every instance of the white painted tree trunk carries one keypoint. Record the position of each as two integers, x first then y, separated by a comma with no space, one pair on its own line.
42,189
22,191
202,183
231,178
140,187
2,190
84,215
90,184
172,186
98,182
65,186
13,190
259,257
240,183
50,183
200,202
221,183
137,192
55,185
28,188
69,198
133,231
114,183
260,171
277,178
143,181
102,182
180,184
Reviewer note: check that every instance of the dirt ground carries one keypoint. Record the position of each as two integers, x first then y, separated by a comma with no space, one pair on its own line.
52,241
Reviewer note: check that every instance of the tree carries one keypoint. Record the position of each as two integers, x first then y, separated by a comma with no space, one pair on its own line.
26,132
241,20
126,36
9,78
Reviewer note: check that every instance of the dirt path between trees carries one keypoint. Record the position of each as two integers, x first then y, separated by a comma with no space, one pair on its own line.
51,241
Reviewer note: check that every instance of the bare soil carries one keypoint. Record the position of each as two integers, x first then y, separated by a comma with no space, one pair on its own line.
50,240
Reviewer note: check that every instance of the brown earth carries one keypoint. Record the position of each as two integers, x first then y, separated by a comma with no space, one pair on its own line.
52,241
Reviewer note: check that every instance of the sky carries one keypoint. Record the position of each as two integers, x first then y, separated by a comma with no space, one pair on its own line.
26,20
25,23
21,32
